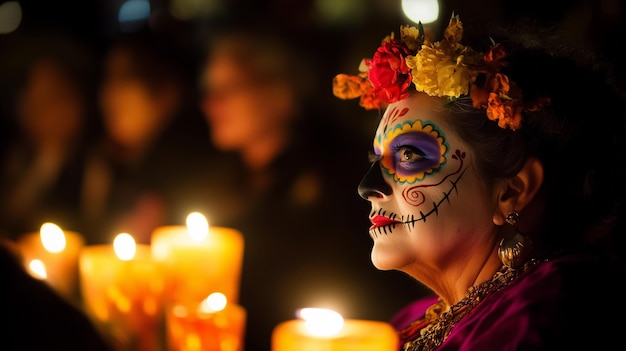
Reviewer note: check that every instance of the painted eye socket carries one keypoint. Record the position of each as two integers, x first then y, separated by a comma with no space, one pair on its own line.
410,159
413,155
411,150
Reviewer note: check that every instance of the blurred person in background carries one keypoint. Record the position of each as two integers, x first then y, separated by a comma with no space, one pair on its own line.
281,179
51,119
46,96
135,172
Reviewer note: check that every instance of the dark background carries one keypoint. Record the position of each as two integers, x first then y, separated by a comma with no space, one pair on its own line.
596,24
340,37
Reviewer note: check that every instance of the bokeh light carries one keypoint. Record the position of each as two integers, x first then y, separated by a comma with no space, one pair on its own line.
425,11
133,15
10,16
124,246
321,321
52,237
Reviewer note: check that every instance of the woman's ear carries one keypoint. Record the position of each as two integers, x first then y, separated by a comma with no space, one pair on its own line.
517,192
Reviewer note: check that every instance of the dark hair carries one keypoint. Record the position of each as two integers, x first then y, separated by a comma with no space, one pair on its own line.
69,56
579,137
155,59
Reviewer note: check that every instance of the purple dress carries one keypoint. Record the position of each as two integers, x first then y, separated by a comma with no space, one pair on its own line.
575,302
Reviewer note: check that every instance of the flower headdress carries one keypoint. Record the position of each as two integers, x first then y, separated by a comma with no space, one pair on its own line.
445,68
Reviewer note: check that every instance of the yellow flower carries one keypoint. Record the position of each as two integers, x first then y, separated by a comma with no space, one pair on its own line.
412,37
444,68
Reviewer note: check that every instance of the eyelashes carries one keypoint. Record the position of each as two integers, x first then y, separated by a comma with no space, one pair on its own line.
373,157
408,148
403,155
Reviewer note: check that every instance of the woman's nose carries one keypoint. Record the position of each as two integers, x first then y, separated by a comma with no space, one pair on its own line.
373,184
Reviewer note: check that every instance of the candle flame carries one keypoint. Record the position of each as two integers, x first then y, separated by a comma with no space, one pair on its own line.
197,226
52,237
214,302
124,246
320,321
37,269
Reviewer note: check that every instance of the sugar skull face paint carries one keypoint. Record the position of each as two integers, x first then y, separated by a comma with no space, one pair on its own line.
426,196
412,150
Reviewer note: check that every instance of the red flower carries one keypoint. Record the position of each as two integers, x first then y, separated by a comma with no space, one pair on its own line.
369,101
388,71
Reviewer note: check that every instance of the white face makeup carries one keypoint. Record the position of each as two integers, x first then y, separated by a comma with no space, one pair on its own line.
428,202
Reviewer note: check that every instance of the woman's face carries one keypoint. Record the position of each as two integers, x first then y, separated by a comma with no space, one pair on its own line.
429,204
51,108
238,110
132,112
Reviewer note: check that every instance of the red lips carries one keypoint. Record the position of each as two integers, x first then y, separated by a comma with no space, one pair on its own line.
380,221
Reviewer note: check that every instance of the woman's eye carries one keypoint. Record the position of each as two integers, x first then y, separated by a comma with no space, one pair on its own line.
409,154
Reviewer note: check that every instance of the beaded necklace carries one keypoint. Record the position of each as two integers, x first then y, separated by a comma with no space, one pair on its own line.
437,324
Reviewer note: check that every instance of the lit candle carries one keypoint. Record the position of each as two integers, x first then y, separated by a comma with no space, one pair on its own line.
52,255
121,288
197,261
325,330
213,325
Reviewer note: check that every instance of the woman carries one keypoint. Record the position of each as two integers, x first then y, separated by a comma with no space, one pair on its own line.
51,121
137,174
495,185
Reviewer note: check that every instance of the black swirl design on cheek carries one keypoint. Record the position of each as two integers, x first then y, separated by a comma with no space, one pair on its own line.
414,196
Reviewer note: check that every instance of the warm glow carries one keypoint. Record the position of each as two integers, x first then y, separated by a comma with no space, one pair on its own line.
52,237
193,342
425,11
124,246
214,302
197,226
321,321
37,269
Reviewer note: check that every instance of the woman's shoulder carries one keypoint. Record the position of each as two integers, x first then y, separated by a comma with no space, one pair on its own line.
565,301
412,312
574,274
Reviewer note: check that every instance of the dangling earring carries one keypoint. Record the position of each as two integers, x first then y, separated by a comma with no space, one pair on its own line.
515,247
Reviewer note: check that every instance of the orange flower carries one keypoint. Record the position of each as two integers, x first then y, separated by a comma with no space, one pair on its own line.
505,113
494,58
370,101
349,87
480,97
